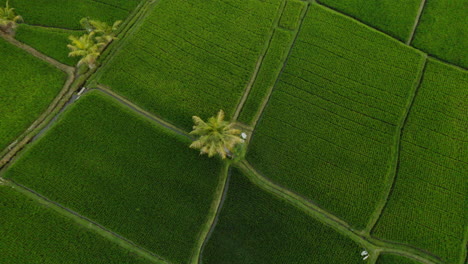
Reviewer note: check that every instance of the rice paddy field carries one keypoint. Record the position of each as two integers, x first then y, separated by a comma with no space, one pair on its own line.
355,114
28,85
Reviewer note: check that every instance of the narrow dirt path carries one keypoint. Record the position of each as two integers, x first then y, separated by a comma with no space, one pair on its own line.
416,22
213,215
260,59
395,160
35,53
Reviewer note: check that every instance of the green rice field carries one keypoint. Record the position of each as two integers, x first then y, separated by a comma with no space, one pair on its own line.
349,120
28,85
32,233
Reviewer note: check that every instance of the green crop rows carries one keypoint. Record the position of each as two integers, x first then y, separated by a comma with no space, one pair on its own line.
395,17
27,87
192,57
427,208
271,66
125,173
67,14
395,259
356,129
255,227
50,41
329,85
32,233
442,31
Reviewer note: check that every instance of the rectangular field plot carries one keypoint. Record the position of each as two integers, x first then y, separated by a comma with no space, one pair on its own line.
67,14
27,87
394,17
192,57
256,227
427,207
443,32
33,233
124,172
328,131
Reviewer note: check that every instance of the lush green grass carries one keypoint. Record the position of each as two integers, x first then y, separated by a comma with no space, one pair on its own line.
395,259
67,14
329,128
192,57
291,14
31,233
442,31
394,17
256,227
131,176
267,74
427,208
28,85
50,41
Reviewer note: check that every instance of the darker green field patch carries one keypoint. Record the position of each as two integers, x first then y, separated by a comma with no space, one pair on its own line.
33,233
257,227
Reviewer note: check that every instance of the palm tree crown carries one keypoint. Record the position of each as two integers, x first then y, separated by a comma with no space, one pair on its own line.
216,136
8,19
104,33
86,47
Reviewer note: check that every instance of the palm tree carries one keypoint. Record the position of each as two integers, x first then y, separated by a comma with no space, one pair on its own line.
215,136
8,19
104,32
86,47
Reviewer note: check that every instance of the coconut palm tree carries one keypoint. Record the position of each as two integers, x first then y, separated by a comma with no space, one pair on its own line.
104,33
215,136
9,19
86,47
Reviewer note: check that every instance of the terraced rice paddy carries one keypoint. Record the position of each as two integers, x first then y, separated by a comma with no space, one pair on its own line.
329,85
138,179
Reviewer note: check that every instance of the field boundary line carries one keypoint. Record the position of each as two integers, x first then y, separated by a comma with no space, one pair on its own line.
373,245
140,111
213,215
395,156
65,68
416,22
283,66
86,223
260,60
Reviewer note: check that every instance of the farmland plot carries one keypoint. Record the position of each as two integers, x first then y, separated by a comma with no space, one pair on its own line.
442,31
395,259
256,227
49,41
394,17
427,208
32,233
192,57
28,85
127,174
329,129
67,14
